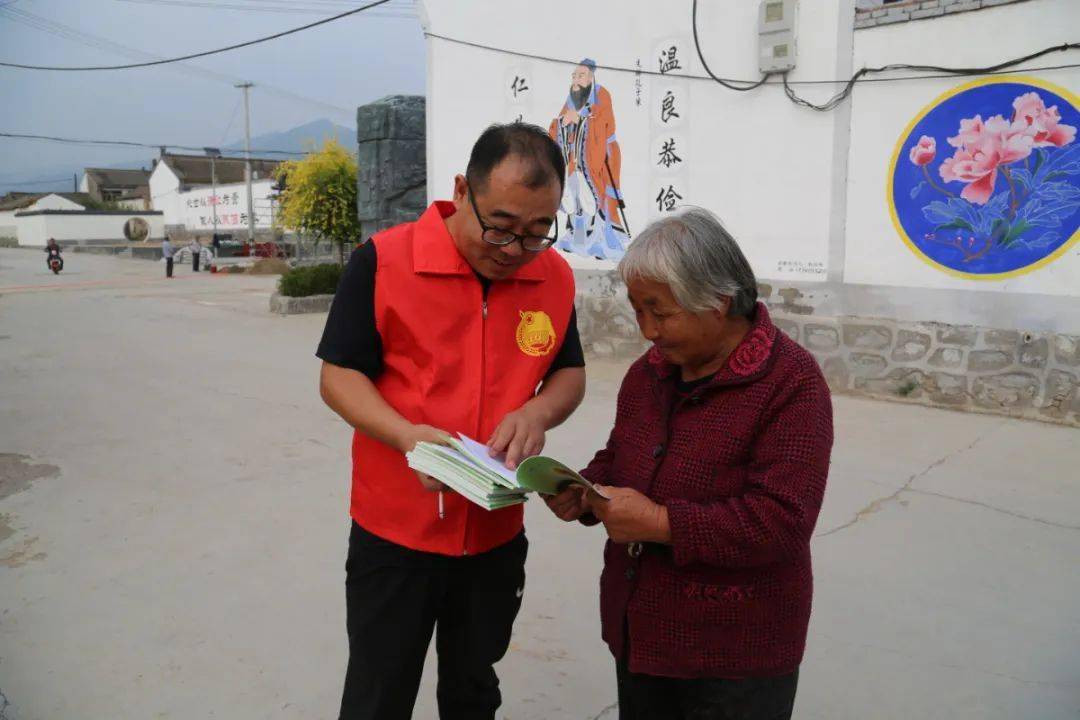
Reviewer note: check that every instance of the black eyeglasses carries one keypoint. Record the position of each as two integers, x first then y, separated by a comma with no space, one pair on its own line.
502,237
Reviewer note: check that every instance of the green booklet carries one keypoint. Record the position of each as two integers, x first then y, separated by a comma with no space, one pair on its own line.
548,476
465,466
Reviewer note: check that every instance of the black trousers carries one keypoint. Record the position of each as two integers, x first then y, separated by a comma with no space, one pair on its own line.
168,267
396,597
195,262
648,697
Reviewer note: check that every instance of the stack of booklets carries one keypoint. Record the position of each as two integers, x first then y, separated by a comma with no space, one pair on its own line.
466,466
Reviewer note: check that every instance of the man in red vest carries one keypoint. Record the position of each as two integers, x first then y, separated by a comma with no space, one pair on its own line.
449,324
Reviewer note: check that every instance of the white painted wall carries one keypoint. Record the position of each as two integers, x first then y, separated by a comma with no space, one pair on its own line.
761,163
7,223
165,192
875,254
195,209
53,202
8,226
132,204
34,230
804,192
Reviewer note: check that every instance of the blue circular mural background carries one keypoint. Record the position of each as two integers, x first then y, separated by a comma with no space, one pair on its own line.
1029,214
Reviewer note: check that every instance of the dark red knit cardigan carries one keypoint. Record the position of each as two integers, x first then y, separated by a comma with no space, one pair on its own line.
740,464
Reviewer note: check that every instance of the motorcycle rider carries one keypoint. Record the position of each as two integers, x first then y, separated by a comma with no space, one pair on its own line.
52,250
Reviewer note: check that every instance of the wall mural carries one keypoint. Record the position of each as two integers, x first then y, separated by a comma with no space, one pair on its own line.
985,181
590,112
585,130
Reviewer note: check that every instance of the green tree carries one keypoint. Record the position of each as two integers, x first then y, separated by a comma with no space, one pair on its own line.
319,196
109,205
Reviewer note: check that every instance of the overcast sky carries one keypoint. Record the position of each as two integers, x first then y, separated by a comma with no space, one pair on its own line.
323,72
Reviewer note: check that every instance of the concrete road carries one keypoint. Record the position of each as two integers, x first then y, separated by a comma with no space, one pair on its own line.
173,528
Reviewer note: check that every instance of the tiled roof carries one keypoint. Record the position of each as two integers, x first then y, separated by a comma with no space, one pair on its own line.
21,200
119,178
195,169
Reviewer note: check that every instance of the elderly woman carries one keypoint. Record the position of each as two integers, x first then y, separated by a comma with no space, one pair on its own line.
715,470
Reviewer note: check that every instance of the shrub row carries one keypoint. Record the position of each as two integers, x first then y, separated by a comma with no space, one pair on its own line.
310,280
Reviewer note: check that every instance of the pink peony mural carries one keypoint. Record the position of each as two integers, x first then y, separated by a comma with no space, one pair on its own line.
924,152
1006,182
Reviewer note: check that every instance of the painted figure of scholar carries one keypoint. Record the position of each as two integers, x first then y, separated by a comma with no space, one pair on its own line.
585,131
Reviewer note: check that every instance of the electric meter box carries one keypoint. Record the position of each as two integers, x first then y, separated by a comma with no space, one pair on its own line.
776,35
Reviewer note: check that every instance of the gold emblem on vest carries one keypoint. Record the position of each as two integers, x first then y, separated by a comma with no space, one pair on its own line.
535,333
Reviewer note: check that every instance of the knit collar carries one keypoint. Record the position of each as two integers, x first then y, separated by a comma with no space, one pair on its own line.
751,359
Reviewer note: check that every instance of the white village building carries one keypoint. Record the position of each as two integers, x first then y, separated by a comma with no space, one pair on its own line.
15,202
35,218
198,195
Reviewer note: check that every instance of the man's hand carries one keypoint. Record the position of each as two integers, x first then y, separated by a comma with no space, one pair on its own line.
629,516
570,117
424,433
570,504
519,435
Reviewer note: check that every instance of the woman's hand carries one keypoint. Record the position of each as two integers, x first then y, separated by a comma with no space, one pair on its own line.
570,504
629,516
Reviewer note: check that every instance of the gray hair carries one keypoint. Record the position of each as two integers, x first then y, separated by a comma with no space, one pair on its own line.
697,258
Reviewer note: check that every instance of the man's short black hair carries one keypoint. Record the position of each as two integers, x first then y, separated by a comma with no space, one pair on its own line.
522,140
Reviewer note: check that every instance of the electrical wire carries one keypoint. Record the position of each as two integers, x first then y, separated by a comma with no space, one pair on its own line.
394,11
204,53
154,146
232,117
69,33
726,83
27,183
654,73
839,97
849,86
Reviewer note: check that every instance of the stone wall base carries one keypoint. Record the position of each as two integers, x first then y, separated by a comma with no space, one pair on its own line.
138,252
283,305
1010,372
962,367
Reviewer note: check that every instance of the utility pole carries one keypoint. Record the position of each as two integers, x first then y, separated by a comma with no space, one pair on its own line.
247,163
214,154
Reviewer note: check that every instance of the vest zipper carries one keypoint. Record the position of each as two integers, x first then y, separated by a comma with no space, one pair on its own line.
483,379
483,365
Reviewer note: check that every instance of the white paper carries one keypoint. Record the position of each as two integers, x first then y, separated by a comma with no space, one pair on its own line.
480,453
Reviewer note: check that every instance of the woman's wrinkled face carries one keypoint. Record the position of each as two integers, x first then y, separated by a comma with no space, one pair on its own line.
684,338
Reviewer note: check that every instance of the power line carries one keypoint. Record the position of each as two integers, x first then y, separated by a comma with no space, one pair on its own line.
232,117
655,73
129,143
394,11
726,83
205,53
849,86
25,183
69,33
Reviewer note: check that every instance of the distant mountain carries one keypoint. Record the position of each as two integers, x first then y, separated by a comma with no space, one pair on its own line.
298,139
302,138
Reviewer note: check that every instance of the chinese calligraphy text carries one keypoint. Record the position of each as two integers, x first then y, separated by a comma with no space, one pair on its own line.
667,199
669,60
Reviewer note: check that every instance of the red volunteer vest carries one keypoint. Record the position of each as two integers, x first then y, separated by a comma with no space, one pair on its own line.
452,362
